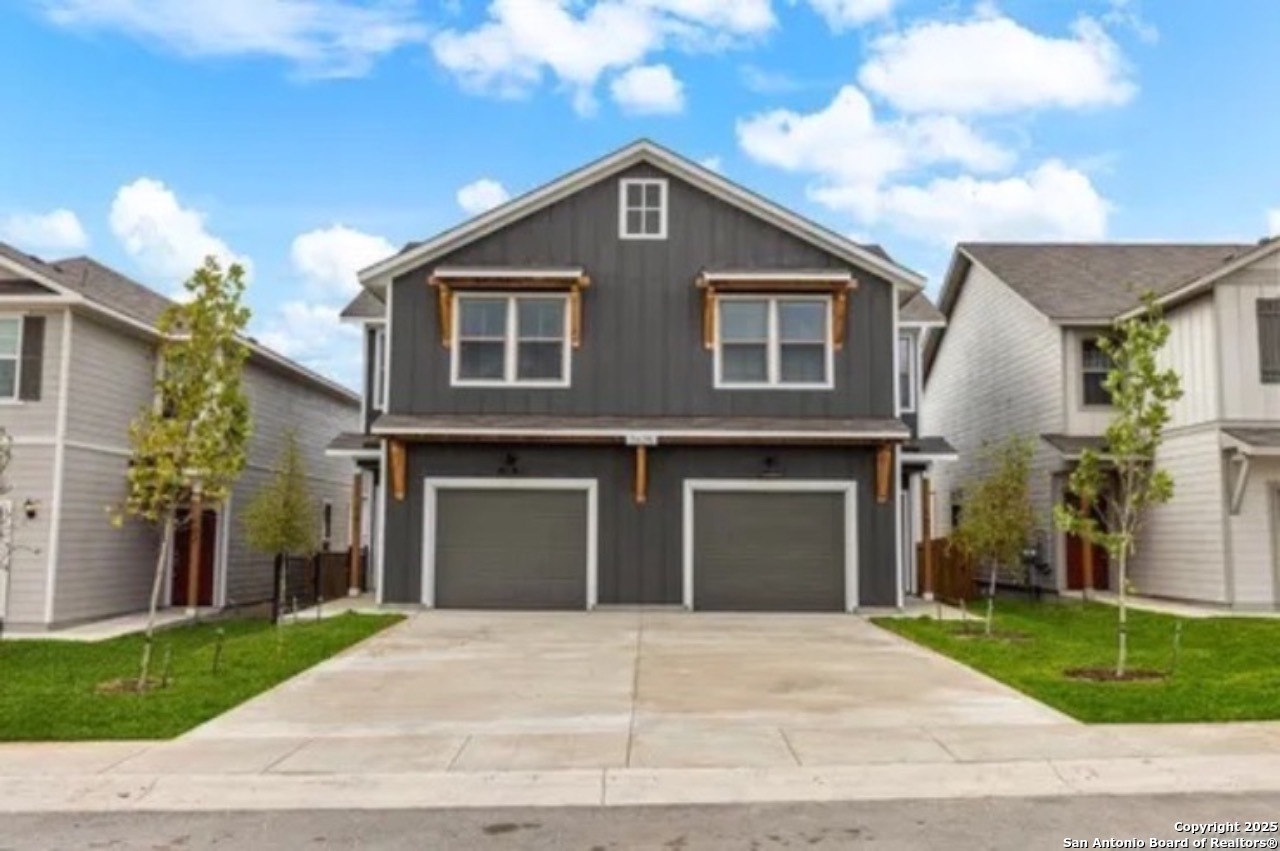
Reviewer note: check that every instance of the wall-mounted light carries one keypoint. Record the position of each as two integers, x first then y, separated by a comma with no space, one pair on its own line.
510,465
771,469
31,508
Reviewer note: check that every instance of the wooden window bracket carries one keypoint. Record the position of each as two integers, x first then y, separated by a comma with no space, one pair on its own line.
399,476
642,475
884,472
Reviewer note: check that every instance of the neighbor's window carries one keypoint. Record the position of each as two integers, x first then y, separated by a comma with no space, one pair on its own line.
512,340
379,366
1094,366
326,526
906,373
10,356
1268,310
773,342
643,213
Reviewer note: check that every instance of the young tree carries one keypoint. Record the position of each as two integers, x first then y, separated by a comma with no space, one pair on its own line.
997,518
7,544
1141,393
281,519
192,441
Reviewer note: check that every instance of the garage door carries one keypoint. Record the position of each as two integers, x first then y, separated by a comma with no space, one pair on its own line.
511,549
769,551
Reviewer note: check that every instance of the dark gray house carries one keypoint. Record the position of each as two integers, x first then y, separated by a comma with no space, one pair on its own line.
641,384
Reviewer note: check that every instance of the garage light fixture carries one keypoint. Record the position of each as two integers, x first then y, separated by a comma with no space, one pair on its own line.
510,465
771,468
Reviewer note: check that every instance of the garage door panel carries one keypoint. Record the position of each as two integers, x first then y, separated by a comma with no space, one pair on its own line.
763,551
511,549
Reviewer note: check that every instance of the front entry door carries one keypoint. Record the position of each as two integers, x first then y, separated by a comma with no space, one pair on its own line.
182,559
1075,559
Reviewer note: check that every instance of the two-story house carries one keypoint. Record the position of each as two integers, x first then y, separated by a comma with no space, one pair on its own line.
1018,355
78,361
639,384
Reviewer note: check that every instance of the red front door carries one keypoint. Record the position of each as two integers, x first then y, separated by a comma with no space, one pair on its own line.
182,559
1075,560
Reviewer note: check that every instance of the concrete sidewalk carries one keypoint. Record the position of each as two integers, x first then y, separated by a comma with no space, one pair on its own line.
426,772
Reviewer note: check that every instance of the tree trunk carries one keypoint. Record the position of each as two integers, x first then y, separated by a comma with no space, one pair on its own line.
157,582
1122,634
991,597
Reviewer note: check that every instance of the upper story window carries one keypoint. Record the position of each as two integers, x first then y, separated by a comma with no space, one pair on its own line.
643,213
10,356
782,342
1268,310
906,373
511,340
1095,364
378,391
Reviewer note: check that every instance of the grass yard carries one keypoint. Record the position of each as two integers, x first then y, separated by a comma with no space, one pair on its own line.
48,689
1228,668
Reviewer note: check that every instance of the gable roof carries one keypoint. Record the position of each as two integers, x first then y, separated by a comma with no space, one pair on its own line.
1089,282
109,292
416,254
917,308
366,305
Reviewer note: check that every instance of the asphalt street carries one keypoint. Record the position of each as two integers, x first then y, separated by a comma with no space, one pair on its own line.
1023,824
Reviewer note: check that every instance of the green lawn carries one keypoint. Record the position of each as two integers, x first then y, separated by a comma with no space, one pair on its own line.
1228,669
49,689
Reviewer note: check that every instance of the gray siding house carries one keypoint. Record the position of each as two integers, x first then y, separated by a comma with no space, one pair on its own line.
77,362
639,384
1018,355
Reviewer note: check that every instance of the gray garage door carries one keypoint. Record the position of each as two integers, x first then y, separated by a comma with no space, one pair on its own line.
511,549
764,551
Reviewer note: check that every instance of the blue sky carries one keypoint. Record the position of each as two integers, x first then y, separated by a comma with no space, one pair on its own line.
309,137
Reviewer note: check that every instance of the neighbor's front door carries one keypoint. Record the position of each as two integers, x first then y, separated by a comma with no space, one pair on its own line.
182,559
1075,560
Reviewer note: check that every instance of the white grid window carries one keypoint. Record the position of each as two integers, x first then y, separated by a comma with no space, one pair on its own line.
380,368
511,340
907,373
643,213
10,356
782,342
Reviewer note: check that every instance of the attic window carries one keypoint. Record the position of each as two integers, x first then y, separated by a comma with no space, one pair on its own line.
642,209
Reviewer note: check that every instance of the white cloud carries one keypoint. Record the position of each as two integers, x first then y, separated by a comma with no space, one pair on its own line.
992,64
167,240
323,38
481,196
853,154
313,335
648,90
1053,201
55,231
575,43
844,14
1273,222
329,258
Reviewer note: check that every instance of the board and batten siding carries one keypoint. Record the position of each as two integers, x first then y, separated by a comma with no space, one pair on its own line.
39,418
1252,539
1081,419
1244,396
1192,351
1180,552
642,350
278,404
998,373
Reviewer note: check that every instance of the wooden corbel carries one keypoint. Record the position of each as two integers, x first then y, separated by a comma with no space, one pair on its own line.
642,475
396,450
709,318
444,302
839,318
884,472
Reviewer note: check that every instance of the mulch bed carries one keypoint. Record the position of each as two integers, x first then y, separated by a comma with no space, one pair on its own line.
1108,675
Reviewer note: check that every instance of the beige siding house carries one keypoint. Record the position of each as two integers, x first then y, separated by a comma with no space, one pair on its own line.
1017,357
77,363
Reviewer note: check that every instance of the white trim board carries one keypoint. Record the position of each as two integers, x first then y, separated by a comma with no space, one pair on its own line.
658,434
848,487
377,276
433,485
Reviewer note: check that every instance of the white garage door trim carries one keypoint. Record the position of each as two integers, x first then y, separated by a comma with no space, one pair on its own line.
435,485
848,487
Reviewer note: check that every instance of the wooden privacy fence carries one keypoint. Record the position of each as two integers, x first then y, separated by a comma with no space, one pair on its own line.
953,571
312,579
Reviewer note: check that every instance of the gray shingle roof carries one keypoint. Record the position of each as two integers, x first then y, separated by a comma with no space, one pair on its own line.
1085,281
365,305
1071,445
1261,438
918,308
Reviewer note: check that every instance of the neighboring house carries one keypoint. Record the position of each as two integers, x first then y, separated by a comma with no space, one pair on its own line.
78,358
1018,356
639,384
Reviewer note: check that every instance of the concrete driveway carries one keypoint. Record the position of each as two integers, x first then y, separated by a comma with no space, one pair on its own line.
485,691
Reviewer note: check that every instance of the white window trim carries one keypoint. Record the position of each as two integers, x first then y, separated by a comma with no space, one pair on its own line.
16,398
912,365
379,389
623,185
774,345
511,342
1085,404
692,487
433,486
